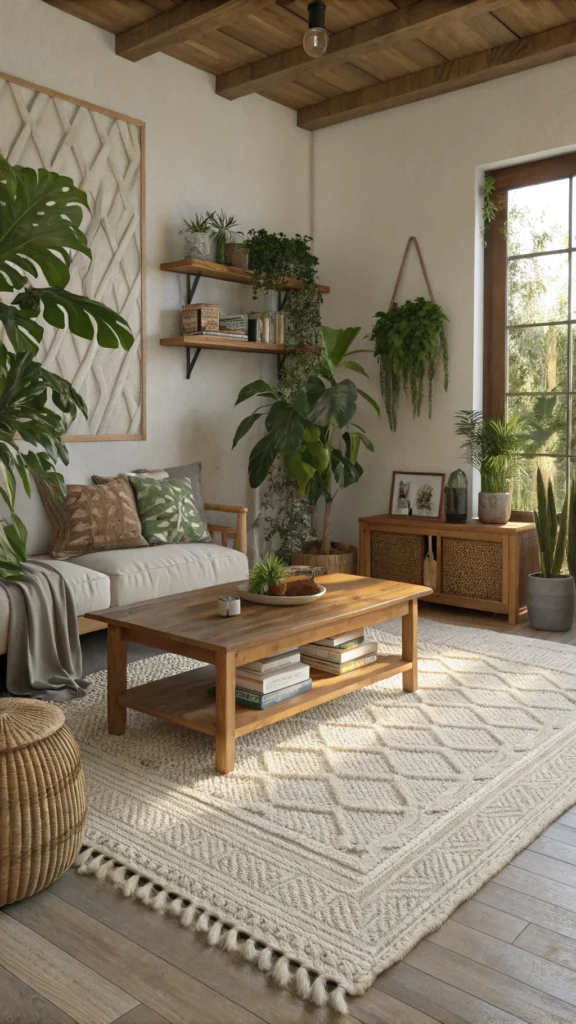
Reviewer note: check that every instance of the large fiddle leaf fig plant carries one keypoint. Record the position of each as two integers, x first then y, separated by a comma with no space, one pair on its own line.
40,217
314,430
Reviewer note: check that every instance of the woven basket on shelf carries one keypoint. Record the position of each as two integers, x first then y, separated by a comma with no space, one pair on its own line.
42,801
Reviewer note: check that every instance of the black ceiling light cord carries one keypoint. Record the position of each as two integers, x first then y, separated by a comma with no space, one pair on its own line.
315,40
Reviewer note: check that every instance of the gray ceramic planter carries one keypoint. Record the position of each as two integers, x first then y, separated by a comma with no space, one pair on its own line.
495,509
200,245
551,602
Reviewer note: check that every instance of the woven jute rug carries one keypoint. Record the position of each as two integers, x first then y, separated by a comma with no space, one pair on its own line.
345,834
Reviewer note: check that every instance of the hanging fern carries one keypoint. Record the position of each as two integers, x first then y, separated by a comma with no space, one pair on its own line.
410,341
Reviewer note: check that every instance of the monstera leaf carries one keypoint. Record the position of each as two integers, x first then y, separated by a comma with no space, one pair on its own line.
83,317
39,224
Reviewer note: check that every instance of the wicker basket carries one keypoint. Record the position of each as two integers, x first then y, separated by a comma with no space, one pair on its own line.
42,801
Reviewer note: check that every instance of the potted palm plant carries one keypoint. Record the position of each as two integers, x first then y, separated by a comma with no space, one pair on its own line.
40,217
315,433
552,593
495,447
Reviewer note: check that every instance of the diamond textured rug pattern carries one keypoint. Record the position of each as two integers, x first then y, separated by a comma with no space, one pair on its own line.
347,833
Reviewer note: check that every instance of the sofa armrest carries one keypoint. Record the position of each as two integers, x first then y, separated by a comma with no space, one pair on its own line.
239,532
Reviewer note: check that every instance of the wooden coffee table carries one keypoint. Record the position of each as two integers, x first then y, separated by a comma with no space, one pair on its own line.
188,624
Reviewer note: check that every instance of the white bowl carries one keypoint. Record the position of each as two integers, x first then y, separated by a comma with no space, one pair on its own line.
271,599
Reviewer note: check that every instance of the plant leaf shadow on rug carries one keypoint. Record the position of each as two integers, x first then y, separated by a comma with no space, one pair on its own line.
345,834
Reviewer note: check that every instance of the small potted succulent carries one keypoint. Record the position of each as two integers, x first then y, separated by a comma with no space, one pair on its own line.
268,576
199,237
551,593
495,447
226,237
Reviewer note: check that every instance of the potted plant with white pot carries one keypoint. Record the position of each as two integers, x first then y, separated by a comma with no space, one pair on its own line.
551,592
495,447
200,237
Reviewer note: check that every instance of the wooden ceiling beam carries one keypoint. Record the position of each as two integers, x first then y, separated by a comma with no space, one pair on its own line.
192,19
386,30
508,59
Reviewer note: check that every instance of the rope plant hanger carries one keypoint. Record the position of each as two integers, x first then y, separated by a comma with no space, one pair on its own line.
410,342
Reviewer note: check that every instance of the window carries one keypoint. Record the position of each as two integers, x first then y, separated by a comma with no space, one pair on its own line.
530,316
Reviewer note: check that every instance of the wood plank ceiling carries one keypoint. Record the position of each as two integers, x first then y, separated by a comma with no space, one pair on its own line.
382,53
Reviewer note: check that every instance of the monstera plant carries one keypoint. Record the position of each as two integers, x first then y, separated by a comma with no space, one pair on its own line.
314,430
40,217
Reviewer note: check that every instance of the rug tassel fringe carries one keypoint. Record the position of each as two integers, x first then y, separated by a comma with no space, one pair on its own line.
305,984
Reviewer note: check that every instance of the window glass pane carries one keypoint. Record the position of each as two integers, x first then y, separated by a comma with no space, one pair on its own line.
538,358
545,420
524,486
538,217
538,289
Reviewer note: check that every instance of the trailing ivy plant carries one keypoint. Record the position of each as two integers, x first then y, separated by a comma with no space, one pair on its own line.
287,517
410,342
40,217
491,206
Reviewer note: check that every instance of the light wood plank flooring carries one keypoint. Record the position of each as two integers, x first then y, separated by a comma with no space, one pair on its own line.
80,954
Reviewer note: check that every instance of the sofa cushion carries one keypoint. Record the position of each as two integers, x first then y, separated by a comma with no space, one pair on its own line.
90,590
168,512
140,574
92,518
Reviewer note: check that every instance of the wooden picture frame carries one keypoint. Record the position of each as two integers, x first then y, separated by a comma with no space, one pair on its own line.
414,483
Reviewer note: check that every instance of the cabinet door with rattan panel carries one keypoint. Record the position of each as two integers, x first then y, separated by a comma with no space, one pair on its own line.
472,568
397,556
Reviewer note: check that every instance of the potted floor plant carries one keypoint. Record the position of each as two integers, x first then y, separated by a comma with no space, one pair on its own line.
40,217
551,592
315,433
495,447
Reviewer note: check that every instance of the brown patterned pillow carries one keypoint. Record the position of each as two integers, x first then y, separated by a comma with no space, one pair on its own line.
93,518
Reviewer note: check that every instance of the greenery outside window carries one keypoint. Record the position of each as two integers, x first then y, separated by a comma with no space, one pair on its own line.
530,316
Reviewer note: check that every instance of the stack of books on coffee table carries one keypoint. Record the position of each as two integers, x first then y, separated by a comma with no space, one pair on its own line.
343,653
271,680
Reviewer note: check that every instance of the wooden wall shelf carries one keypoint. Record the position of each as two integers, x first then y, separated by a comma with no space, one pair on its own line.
220,272
227,344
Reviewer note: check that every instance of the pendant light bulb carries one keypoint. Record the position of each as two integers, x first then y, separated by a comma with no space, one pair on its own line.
316,39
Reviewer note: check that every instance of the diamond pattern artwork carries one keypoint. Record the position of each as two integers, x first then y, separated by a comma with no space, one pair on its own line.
103,155
347,833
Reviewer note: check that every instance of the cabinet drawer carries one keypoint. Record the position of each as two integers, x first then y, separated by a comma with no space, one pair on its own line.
472,568
397,556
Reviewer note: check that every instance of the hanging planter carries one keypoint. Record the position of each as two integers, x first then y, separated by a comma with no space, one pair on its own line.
410,343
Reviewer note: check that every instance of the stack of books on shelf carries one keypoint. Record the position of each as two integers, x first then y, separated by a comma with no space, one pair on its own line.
343,653
272,680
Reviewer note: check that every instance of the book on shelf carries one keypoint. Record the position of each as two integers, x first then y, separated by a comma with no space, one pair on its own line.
343,638
275,680
337,655
333,668
274,662
216,334
258,701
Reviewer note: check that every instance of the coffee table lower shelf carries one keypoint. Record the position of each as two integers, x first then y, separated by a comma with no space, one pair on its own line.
183,699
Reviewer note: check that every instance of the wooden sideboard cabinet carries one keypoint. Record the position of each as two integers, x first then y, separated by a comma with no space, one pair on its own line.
478,566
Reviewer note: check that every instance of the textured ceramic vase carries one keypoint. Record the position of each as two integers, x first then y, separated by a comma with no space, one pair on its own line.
551,602
200,245
495,509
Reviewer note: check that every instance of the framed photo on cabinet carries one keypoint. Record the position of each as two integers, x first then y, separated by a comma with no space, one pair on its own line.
417,494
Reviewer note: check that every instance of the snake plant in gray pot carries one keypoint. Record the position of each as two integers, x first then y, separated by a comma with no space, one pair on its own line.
551,592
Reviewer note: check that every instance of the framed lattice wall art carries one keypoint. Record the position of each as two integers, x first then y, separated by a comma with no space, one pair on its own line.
103,152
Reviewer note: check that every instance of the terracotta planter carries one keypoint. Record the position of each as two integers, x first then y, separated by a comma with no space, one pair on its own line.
342,559
494,509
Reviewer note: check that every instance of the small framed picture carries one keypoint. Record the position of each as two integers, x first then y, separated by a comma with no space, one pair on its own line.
417,494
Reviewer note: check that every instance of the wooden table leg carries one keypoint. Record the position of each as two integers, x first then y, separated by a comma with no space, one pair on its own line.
410,647
225,712
117,679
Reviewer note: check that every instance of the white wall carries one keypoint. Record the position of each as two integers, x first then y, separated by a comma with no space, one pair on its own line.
202,152
416,171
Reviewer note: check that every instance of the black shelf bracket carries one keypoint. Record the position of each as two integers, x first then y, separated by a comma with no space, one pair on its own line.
282,296
191,360
191,286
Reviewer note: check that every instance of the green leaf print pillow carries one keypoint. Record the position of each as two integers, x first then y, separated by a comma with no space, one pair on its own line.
167,511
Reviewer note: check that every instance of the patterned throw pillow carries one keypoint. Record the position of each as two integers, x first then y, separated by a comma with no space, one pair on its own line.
93,518
168,512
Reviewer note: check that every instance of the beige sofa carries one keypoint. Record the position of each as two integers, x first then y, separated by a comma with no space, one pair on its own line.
107,579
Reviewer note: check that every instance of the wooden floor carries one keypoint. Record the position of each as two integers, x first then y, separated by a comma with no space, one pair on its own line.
80,953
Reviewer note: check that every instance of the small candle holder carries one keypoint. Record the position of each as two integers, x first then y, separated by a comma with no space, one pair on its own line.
228,606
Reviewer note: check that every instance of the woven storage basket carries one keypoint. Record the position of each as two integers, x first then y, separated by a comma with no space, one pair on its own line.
42,801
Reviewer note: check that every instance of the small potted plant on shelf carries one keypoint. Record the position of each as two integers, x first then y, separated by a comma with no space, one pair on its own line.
223,230
552,593
495,447
315,433
199,237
